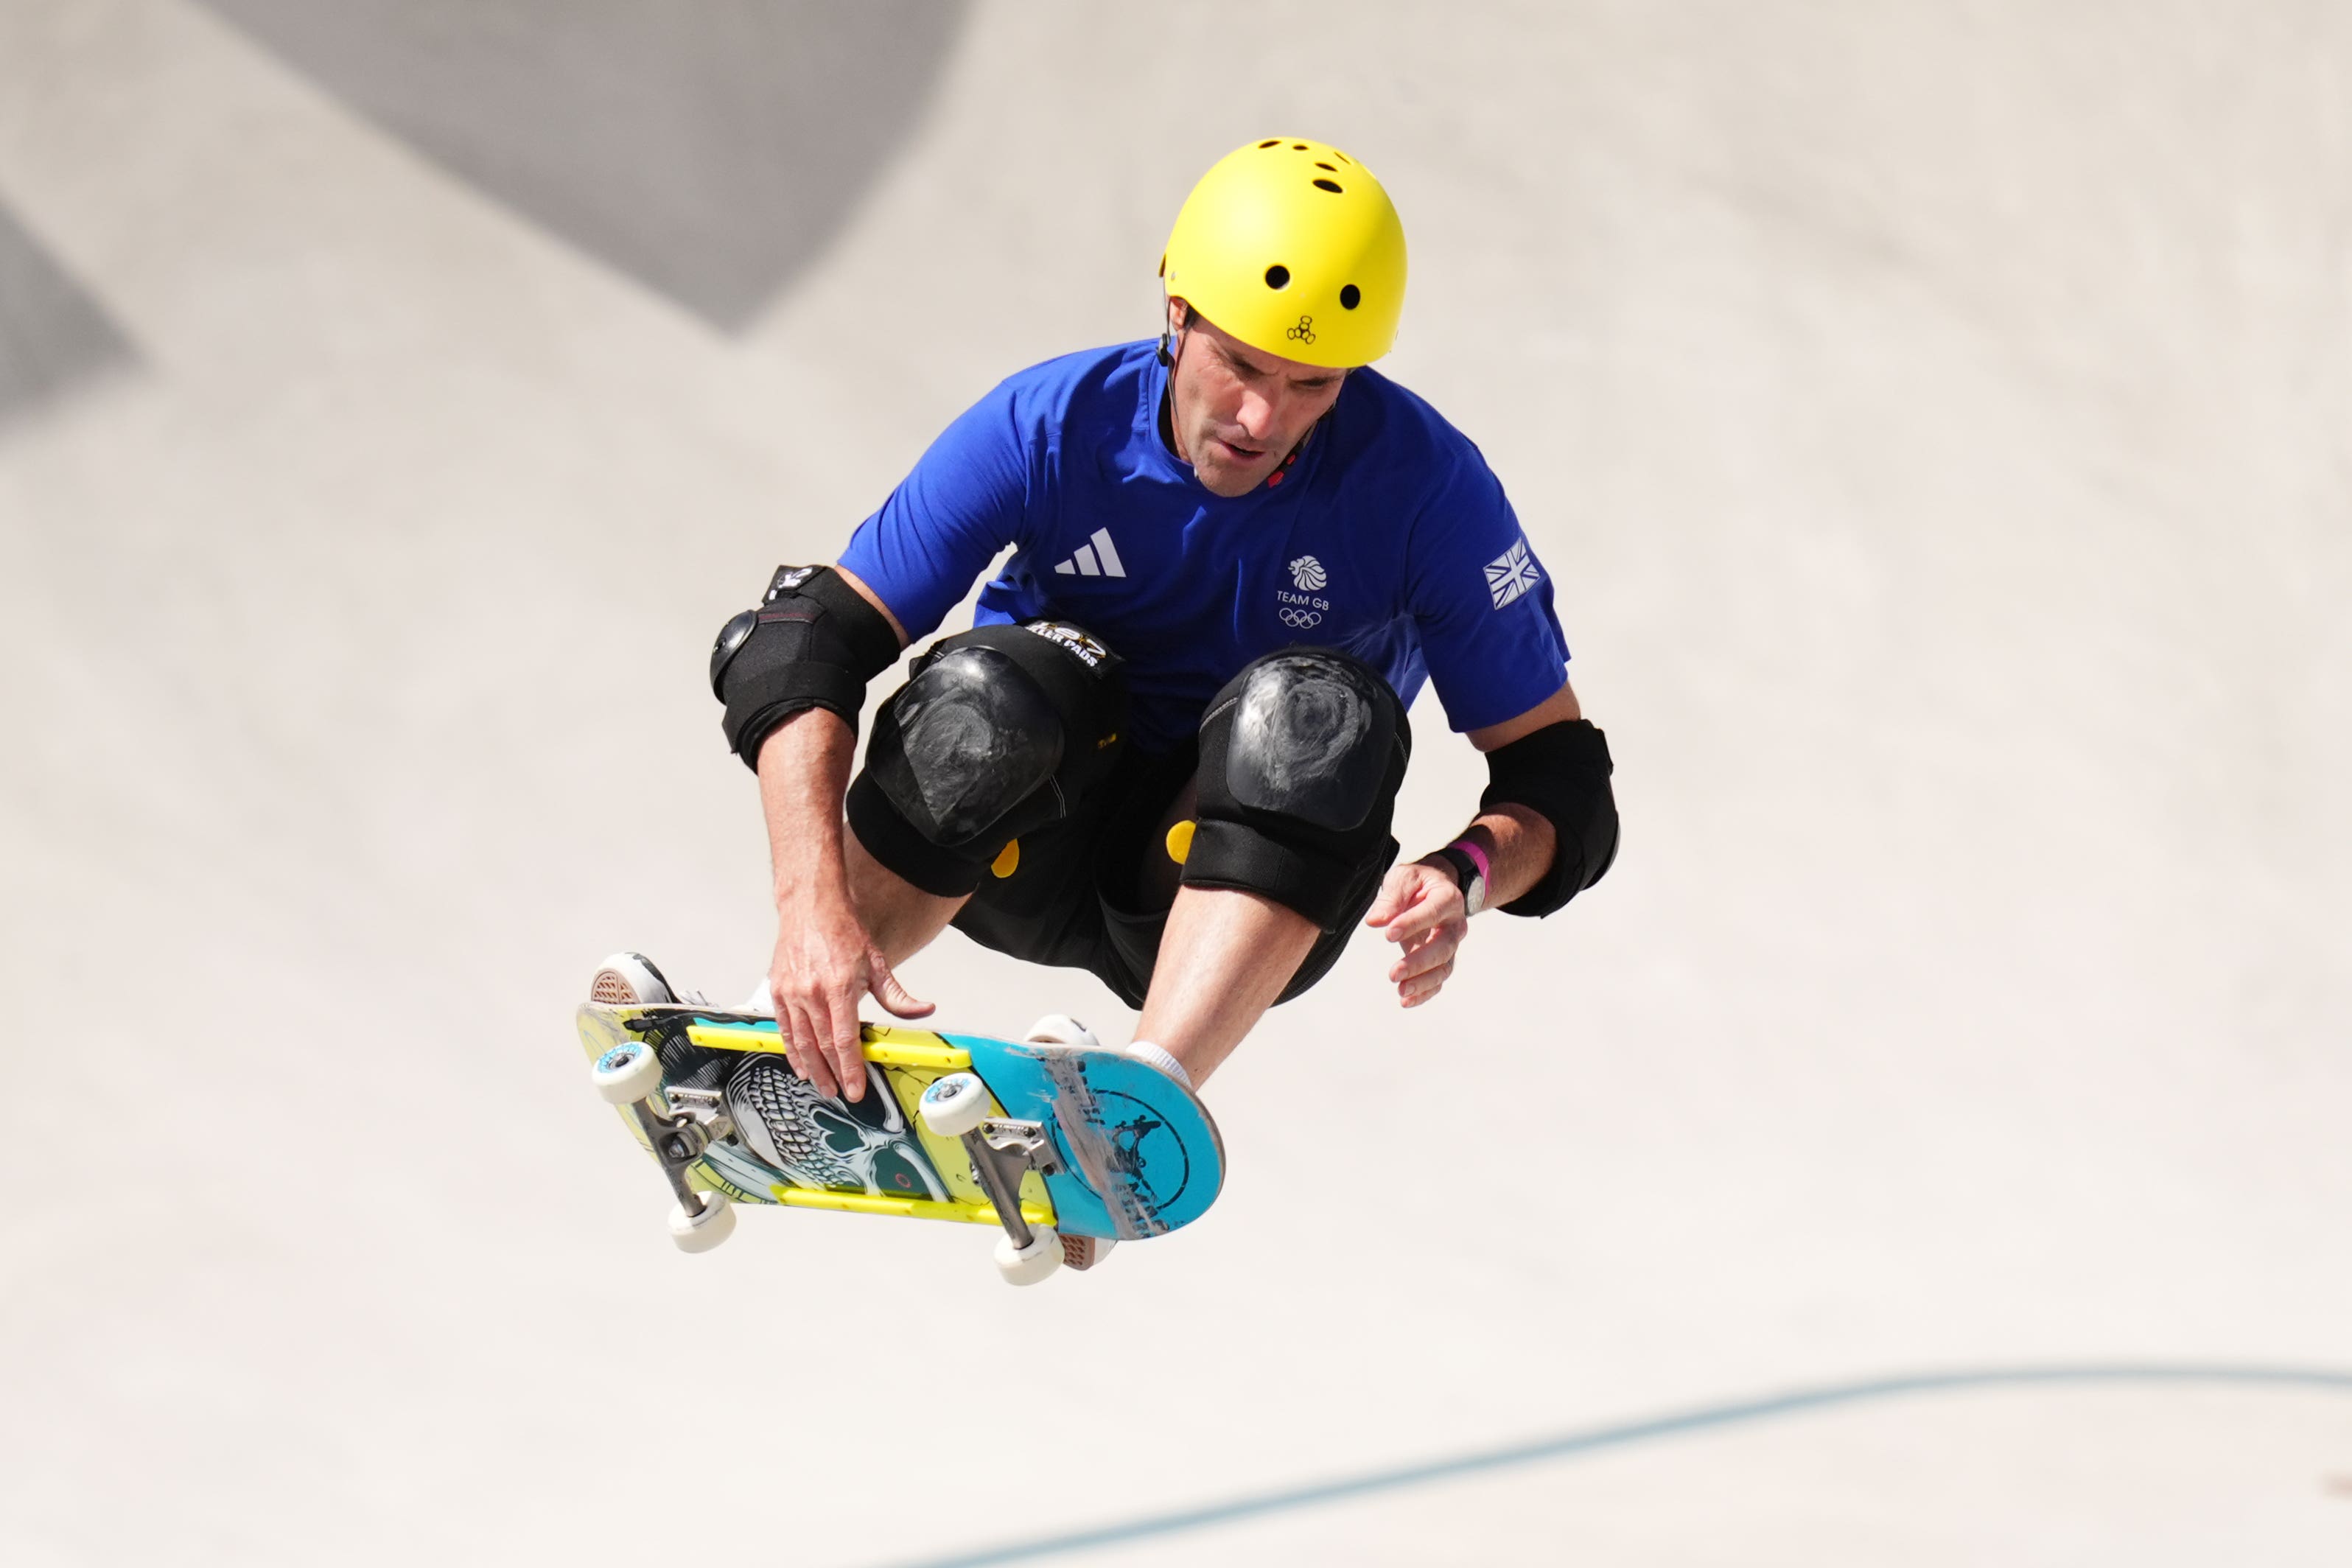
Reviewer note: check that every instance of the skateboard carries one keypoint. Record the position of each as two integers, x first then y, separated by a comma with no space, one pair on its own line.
1035,1140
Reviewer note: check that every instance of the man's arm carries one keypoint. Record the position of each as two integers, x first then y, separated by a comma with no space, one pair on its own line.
1423,905
930,540
824,960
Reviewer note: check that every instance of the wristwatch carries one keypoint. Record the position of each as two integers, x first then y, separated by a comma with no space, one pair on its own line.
1469,868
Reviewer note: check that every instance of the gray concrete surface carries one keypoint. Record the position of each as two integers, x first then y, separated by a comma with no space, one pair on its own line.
1934,418
710,151
53,337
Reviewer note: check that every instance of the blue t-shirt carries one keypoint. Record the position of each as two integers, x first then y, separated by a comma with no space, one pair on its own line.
1387,537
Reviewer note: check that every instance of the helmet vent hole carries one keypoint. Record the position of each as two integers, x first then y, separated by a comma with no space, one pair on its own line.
1326,167
1330,185
1342,156
1298,146
1277,276
1264,145
1349,298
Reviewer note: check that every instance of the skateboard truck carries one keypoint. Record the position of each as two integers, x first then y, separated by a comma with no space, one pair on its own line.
696,1119
679,1124
1003,1151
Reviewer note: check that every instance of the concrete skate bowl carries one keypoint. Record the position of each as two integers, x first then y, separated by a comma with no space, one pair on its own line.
708,151
53,336
1789,1405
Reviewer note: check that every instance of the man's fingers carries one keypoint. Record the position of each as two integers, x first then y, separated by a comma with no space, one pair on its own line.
1432,955
1420,989
1406,948
808,1041
793,1054
901,1002
842,1043
806,1061
1425,917
1392,898
824,1011
785,1030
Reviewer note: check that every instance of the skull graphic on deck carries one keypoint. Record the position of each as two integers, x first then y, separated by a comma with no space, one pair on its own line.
818,1141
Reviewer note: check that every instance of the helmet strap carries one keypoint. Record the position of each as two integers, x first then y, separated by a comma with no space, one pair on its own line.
1167,358
1167,393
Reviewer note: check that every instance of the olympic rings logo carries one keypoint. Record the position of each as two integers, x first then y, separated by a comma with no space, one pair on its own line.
1301,620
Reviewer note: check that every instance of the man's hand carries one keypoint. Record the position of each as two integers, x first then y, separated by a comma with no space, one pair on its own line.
1424,911
1421,903
825,965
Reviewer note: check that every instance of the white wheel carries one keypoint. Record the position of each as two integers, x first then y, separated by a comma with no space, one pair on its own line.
1027,1265
1061,1029
955,1104
701,1232
630,1070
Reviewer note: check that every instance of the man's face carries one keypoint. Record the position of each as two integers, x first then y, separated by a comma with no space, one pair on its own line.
1237,411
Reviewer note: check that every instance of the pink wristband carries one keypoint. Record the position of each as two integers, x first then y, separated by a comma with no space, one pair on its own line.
1477,858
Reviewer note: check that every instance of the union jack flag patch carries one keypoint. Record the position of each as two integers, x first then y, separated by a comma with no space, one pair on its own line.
1512,573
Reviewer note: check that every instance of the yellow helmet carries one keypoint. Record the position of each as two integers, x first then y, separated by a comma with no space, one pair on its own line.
1292,246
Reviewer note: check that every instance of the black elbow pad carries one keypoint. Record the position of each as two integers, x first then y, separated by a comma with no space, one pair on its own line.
813,642
1560,772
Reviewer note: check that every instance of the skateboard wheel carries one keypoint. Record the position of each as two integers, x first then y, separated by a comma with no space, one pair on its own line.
1061,1029
701,1232
1027,1265
629,1071
955,1104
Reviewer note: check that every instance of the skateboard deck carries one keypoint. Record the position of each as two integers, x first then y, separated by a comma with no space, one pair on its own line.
1125,1152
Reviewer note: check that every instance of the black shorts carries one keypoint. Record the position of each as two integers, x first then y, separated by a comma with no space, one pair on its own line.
1067,892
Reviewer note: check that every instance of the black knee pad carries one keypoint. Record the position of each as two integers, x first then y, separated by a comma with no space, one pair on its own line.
1301,757
997,730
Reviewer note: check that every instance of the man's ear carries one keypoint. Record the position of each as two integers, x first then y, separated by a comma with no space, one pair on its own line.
1179,316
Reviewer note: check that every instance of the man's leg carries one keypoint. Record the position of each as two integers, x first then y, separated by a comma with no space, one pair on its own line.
1226,956
901,918
1301,757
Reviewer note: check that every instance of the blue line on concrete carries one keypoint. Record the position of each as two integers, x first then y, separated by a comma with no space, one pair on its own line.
1790,1402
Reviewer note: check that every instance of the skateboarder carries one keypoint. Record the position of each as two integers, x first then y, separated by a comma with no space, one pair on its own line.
1168,751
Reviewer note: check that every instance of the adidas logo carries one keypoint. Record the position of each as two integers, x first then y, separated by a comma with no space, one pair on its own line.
1098,558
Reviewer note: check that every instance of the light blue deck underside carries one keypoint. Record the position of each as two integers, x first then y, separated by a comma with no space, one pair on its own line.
1140,1156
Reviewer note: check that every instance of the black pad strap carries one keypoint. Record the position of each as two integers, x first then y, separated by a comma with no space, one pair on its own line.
866,631
813,642
1562,772
1236,855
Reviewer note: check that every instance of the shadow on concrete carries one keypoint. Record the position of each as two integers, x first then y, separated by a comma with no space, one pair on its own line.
53,336
1566,1445
708,149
